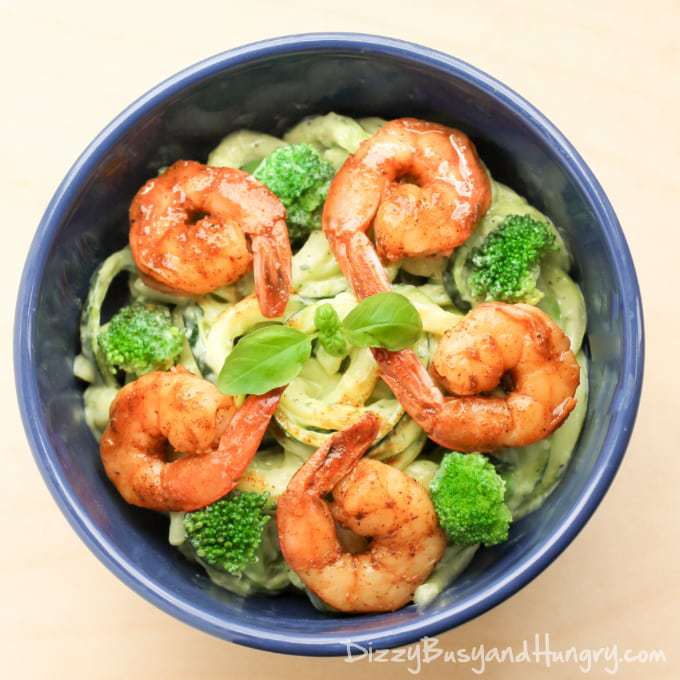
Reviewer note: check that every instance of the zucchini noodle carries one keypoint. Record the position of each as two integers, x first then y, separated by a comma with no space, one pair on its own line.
331,393
243,148
533,471
334,136
90,321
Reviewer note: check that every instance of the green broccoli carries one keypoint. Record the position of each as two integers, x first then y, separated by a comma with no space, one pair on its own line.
227,534
506,265
330,331
141,338
300,178
468,494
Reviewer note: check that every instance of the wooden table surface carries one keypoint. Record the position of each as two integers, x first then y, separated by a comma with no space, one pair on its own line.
606,73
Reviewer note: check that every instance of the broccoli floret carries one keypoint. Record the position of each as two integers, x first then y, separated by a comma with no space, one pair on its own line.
506,265
300,178
330,331
227,534
141,338
467,494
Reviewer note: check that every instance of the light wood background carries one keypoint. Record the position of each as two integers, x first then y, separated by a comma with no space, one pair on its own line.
605,72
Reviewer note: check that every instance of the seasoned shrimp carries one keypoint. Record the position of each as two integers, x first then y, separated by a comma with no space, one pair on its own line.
494,341
422,188
371,499
189,231
194,418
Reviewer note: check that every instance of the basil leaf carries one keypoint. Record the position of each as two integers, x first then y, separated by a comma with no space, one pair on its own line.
330,331
386,320
264,359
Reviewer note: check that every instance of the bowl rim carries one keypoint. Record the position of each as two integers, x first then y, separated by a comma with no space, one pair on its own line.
624,405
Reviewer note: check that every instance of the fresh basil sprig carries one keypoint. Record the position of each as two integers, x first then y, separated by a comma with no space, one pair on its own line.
264,359
273,355
386,320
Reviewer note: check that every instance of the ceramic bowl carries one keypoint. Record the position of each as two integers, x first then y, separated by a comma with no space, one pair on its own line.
270,86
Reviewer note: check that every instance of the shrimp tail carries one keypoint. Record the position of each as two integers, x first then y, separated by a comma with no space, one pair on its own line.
194,482
329,464
245,431
411,384
272,262
362,266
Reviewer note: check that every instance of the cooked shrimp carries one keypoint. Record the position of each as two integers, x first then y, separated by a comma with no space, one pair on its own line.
371,499
495,340
188,413
422,188
189,231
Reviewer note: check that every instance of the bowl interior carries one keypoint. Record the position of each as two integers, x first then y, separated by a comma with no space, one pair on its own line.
270,91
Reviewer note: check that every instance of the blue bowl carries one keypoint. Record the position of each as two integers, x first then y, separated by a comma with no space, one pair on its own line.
270,86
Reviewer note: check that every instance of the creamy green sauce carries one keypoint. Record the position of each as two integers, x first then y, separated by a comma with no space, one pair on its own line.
325,398
504,202
532,472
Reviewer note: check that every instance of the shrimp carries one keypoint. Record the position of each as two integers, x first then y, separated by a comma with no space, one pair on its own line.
495,341
371,499
422,188
179,409
188,230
